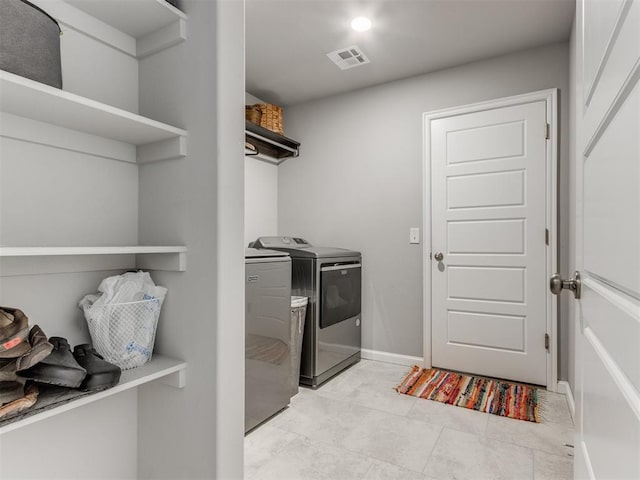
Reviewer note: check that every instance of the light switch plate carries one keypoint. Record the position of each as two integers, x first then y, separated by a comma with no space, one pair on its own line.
414,235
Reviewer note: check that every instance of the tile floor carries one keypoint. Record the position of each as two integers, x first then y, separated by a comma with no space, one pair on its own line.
356,427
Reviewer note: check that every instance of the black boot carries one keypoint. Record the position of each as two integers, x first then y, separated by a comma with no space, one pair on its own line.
59,368
100,373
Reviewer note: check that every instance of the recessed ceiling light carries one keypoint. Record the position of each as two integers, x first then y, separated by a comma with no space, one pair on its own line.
361,24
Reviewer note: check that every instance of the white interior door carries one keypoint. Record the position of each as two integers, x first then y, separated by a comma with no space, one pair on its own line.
608,241
488,221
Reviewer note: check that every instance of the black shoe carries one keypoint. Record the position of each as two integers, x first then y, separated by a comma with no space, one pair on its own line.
59,368
100,373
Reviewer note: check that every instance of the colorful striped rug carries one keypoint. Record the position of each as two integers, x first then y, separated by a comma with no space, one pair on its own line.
499,397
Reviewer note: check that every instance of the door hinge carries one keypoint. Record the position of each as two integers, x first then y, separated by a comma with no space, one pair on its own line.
546,341
547,131
546,236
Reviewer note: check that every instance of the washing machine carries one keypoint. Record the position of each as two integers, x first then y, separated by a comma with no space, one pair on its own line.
267,334
332,280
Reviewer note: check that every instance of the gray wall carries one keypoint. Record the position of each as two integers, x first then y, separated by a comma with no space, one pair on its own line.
358,181
260,193
260,199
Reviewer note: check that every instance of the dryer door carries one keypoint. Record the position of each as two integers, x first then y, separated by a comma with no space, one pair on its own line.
341,296
338,330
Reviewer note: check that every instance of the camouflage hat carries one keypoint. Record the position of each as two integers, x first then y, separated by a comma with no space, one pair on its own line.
14,330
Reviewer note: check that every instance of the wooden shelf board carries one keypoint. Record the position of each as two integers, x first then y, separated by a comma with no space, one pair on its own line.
37,101
158,367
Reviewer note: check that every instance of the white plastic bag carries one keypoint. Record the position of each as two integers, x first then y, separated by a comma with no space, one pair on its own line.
122,318
128,287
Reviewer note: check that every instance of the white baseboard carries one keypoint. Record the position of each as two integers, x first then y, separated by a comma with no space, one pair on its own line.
564,387
395,358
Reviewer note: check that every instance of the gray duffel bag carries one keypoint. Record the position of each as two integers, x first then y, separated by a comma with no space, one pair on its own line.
29,42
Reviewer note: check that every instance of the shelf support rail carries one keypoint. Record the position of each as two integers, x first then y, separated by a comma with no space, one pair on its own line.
295,151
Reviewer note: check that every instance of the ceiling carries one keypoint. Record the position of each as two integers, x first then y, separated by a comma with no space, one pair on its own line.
287,40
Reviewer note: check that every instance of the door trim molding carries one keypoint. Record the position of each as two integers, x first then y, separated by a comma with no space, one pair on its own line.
550,97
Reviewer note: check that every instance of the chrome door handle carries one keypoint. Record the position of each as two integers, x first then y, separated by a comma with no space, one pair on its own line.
556,284
438,257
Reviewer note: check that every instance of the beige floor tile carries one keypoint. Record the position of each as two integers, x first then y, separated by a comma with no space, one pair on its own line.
370,384
552,467
550,438
343,385
394,439
262,444
554,409
382,396
350,383
357,427
310,460
456,418
387,371
324,419
387,471
460,455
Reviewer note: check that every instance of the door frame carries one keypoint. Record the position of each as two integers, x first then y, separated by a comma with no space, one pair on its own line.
549,96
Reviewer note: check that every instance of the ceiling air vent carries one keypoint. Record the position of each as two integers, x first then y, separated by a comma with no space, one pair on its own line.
348,57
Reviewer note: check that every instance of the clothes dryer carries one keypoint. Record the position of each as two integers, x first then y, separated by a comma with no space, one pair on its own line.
332,280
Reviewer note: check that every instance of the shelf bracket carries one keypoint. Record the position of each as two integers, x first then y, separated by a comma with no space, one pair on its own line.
176,262
165,37
176,379
293,151
169,149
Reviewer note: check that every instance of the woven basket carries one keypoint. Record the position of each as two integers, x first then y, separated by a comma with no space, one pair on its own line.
253,113
271,117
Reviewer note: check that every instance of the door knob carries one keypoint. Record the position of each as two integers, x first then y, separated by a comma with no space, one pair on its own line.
556,284
438,257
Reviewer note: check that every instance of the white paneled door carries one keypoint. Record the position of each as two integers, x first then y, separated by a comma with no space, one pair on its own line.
608,241
489,210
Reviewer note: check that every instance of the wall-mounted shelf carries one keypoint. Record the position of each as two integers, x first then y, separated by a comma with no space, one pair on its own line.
173,371
138,28
108,250
170,258
26,98
137,19
271,146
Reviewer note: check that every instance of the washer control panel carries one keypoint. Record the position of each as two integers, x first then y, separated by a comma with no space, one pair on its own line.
280,242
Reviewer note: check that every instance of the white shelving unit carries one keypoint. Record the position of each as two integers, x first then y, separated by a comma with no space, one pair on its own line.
138,28
142,17
37,113
107,250
172,371
56,259
26,98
